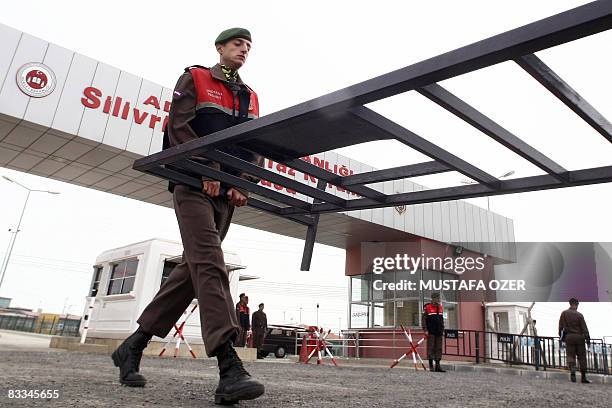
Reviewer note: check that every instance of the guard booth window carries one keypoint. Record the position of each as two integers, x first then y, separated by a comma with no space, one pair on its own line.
122,277
95,284
374,304
168,267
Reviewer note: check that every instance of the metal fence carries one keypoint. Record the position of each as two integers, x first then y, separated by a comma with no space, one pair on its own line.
53,325
540,352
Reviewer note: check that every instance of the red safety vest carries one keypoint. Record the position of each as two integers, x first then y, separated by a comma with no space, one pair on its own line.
431,309
212,93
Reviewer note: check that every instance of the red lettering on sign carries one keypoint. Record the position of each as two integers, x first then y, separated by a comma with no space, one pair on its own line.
153,121
139,117
92,97
117,106
167,106
319,162
107,105
152,100
165,123
126,110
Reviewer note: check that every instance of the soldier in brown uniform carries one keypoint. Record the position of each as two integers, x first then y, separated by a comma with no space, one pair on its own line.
205,100
573,329
259,324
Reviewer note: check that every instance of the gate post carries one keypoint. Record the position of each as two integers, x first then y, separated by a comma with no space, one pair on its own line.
537,352
604,350
477,347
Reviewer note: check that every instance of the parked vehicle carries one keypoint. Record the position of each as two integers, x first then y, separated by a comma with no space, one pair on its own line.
281,340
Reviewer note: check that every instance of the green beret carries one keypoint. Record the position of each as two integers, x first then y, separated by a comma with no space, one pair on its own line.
231,33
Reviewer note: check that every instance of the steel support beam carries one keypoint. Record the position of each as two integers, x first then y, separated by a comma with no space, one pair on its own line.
311,234
251,202
250,168
197,168
395,173
464,111
519,185
564,27
319,173
426,147
566,94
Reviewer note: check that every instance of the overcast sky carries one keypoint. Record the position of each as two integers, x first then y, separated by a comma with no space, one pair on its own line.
301,51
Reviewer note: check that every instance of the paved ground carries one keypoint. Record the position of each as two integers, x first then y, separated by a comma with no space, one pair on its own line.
90,380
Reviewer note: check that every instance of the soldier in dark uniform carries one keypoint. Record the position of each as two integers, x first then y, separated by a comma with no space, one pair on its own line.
433,325
259,325
205,100
573,329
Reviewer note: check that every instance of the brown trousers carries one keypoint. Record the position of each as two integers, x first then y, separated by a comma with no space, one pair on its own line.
434,347
203,222
575,347
258,338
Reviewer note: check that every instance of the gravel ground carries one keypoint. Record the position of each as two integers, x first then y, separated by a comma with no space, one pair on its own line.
90,380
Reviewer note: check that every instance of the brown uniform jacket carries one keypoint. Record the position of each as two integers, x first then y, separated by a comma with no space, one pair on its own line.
183,111
259,322
572,322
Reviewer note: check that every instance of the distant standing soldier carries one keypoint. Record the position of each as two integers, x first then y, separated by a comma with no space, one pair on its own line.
259,325
433,325
242,314
573,329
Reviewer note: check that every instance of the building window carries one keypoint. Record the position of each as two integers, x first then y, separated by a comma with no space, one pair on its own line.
168,267
361,288
122,277
360,315
373,304
95,284
502,324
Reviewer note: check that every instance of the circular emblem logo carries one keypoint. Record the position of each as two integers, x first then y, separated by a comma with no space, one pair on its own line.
36,80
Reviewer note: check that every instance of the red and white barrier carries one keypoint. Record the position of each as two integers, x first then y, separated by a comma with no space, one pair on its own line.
319,347
413,350
178,335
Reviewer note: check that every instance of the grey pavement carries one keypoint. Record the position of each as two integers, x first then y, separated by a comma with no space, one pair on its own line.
90,380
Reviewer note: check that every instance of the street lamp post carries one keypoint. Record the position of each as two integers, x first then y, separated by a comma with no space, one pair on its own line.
7,256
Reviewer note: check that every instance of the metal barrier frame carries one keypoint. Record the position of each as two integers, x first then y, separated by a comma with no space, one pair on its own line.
348,105
541,352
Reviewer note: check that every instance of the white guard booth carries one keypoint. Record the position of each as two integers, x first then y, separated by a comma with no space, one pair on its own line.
125,280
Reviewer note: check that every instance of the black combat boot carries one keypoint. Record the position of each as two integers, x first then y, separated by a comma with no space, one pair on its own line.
438,368
431,366
572,368
127,358
584,379
235,382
